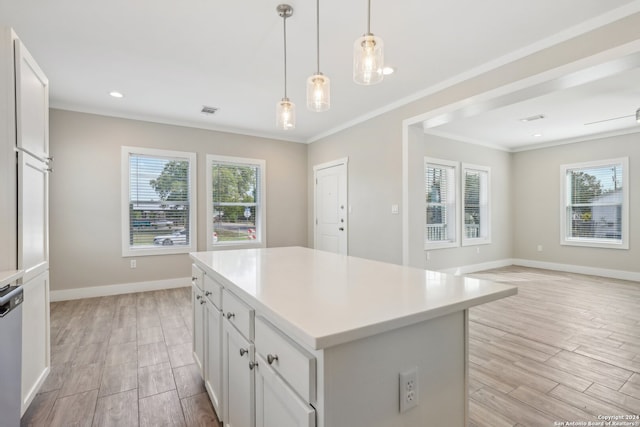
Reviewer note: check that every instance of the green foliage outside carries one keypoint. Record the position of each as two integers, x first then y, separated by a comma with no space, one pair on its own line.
233,184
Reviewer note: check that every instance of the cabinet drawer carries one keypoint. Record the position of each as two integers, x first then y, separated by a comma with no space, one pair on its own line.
197,276
296,366
238,314
213,291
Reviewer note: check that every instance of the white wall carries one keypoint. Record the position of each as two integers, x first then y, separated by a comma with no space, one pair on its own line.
85,195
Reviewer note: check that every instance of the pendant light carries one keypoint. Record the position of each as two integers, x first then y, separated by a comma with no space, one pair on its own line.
368,56
318,85
638,115
285,109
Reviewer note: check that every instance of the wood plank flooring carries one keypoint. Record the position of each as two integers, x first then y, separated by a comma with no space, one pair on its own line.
122,361
565,349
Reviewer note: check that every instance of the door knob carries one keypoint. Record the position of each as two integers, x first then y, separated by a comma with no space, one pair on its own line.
341,228
243,351
272,358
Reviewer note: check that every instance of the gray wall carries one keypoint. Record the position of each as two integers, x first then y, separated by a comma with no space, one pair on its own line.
85,194
536,203
500,247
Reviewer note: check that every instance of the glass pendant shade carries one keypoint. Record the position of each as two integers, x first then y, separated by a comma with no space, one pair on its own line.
286,114
368,60
318,92
638,115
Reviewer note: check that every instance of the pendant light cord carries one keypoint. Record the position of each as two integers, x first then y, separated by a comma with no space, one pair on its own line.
369,18
318,34
284,21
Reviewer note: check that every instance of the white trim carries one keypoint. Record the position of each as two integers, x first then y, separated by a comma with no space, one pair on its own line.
119,289
455,165
261,219
127,250
580,269
595,242
472,268
486,238
332,163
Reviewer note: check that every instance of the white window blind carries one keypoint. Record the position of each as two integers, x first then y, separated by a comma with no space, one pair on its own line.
159,217
236,200
440,194
476,204
595,197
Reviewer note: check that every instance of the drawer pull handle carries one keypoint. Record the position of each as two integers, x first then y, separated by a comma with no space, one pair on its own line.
253,365
272,358
207,293
230,315
243,351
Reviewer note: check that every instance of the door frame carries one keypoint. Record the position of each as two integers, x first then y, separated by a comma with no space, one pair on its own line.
344,161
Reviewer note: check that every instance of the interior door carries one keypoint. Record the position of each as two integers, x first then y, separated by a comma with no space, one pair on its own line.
32,104
331,209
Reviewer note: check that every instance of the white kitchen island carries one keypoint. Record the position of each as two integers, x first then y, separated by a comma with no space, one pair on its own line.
299,337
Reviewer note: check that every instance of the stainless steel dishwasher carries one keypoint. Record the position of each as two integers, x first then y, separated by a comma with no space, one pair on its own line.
10,355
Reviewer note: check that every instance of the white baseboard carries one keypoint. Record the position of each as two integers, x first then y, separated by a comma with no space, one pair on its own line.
466,269
580,269
123,288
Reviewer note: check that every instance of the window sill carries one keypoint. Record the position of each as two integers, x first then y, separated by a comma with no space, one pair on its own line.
159,250
596,243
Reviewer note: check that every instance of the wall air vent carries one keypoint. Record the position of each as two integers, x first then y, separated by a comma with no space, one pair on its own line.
532,118
208,110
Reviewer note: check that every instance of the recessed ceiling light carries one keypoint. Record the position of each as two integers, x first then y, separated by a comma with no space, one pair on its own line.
116,94
536,135
208,110
388,70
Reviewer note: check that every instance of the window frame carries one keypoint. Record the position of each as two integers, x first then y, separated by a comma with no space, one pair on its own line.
261,213
485,220
565,240
127,249
455,242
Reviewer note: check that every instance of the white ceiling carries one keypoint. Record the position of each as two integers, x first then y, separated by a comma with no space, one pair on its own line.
172,57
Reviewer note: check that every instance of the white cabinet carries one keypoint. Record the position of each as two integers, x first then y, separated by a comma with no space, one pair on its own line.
24,128
35,336
213,356
238,378
276,404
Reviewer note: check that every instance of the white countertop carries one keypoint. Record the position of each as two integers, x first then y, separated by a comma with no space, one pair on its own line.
10,276
323,299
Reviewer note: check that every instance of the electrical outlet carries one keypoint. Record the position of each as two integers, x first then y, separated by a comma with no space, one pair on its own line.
408,389
539,248
133,263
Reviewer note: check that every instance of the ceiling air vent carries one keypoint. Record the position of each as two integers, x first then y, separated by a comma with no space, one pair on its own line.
532,118
208,110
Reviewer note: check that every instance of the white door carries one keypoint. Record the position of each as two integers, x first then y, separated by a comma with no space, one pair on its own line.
276,404
331,210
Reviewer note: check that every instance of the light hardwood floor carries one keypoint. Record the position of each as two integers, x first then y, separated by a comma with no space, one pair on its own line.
122,361
566,348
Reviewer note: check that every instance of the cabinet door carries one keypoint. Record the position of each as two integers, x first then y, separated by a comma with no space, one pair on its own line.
198,327
33,216
32,104
276,404
35,336
238,379
213,356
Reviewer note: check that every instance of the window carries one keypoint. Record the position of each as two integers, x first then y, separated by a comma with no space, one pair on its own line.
595,208
158,210
441,203
476,186
235,202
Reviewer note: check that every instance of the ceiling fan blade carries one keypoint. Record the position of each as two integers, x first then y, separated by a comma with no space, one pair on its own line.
608,120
